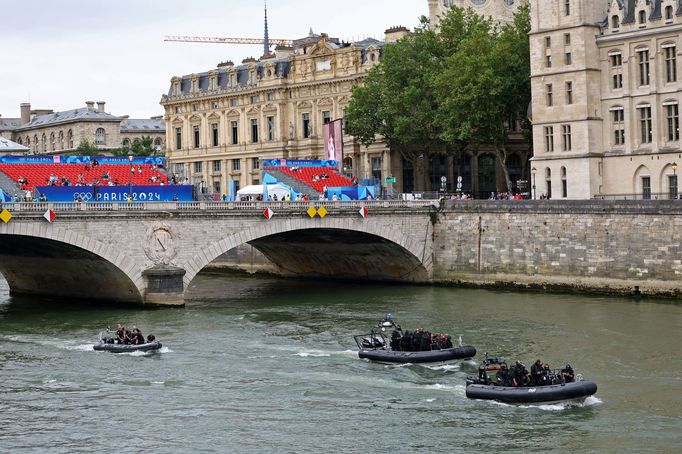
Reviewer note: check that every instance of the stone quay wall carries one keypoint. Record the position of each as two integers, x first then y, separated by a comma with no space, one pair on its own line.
623,247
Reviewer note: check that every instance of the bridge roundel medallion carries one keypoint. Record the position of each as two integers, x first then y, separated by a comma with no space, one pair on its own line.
160,246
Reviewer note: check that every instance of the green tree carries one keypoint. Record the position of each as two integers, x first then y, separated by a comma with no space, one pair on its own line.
85,148
141,147
397,102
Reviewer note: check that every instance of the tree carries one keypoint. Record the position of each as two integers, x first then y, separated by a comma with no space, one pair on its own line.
398,102
485,85
141,147
85,148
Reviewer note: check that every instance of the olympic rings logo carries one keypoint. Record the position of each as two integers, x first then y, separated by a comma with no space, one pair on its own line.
82,196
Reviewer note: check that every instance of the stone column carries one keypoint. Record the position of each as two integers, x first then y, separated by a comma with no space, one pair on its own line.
164,286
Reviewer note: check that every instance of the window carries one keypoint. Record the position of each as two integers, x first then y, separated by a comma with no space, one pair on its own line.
615,23
214,104
566,134
270,96
254,99
548,182
567,7
645,123
376,168
569,92
646,188
214,134
233,102
197,167
617,68
564,184
216,187
549,139
255,163
177,109
196,137
548,41
668,13
216,166
236,164
672,186
236,185
673,116
618,116
271,128
99,136
195,107
567,39
235,132
254,130
178,138
670,63
326,117
306,125
69,135
642,18
550,97
569,58
643,58
548,61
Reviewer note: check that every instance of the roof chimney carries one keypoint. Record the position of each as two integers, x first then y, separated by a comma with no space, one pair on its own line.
393,34
90,105
100,106
25,112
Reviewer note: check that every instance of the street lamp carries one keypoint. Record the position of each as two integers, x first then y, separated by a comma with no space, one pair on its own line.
533,171
130,180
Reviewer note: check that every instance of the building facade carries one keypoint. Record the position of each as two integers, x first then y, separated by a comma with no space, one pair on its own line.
606,92
222,123
44,131
499,10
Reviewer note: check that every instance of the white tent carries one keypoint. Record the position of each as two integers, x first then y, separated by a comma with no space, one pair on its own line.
257,189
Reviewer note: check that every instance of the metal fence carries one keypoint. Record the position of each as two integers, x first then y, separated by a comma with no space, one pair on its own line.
672,195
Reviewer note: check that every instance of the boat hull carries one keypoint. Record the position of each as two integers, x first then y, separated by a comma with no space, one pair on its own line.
575,391
126,348
432,356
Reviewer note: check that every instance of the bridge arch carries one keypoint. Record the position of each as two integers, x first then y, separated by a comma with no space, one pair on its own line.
399,256
43,259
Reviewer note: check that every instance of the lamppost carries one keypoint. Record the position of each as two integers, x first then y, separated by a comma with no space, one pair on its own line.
533,170
130,180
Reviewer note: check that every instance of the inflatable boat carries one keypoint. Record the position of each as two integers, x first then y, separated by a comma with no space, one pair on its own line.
127,348
576,391
408,347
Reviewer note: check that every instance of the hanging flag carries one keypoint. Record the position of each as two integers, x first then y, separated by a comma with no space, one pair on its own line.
322,212
49,215
268,213
5,216
311,211
364,212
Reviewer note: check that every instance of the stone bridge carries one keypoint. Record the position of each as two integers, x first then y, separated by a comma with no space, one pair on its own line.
148,253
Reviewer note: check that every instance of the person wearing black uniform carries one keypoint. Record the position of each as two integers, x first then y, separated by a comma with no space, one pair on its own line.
120,334
503,377
536,372
567,374
395,340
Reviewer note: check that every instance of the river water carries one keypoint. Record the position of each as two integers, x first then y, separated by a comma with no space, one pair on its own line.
270,365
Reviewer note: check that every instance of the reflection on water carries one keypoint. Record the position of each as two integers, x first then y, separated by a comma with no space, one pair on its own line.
265,364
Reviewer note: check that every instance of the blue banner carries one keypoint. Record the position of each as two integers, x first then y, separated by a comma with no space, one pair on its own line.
137,160
182,193
298,163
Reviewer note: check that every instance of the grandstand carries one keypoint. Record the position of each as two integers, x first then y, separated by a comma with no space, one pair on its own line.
307,177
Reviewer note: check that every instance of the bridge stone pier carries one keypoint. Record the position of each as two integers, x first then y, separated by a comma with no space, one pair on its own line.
148,254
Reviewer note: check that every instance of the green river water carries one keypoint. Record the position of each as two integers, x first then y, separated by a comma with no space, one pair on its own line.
270,365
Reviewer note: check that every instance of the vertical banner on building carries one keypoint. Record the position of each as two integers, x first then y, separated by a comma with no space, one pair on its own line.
333,142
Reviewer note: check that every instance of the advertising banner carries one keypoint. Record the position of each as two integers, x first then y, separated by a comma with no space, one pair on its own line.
333,142
137,160
182,193
298,163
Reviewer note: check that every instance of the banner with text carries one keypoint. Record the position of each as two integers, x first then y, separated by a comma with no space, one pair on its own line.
182,193
333,142
137,160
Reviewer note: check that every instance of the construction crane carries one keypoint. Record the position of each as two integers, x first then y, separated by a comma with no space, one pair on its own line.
265,41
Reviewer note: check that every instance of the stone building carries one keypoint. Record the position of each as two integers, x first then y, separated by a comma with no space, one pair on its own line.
499,10
606,92
221,123
44,131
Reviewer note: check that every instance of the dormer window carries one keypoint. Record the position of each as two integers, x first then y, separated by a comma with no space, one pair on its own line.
668,14
642,18
615,23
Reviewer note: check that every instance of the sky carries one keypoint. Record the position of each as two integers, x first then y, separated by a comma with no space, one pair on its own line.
59,54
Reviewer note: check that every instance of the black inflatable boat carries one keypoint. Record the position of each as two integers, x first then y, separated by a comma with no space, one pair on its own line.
127,348
408,347
574,391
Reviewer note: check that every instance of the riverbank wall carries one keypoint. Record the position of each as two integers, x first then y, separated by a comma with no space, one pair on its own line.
612,247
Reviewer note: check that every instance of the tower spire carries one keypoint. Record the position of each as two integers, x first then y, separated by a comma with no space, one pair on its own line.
266,38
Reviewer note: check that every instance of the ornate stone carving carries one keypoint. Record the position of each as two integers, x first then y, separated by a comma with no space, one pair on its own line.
160,247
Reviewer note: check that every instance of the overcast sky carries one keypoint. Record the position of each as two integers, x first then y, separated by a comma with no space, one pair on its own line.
59,54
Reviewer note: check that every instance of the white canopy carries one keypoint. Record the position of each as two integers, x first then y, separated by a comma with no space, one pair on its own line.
256,189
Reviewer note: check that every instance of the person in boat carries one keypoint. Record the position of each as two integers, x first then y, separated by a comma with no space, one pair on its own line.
520,375
120,334
151,338
536,372
444,341
567,374
503,376
137,338
396,340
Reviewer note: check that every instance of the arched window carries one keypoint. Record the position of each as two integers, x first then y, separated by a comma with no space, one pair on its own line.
615,23
69,136
564,184
99,136
642,17
157,143
53,146
44,143
61,140
668,13
126,143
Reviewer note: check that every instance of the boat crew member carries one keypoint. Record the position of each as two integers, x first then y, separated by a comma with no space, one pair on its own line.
567,374
503,377
138,338
120,334
536,372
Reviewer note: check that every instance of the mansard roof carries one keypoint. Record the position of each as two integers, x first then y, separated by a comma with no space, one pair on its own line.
9,124
81,114
143,125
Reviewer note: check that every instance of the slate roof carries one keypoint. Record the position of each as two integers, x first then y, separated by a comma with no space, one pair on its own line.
143,125
7,145
81,114
9,124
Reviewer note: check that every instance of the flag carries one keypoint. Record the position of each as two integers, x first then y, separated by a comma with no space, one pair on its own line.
49,215
268,213
364,212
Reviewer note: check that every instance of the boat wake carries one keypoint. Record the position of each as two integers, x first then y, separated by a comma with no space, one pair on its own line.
557,406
